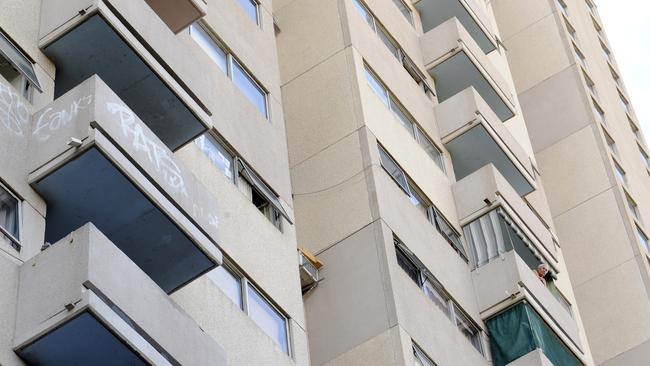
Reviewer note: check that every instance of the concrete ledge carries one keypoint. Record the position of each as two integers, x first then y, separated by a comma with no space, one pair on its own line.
86,282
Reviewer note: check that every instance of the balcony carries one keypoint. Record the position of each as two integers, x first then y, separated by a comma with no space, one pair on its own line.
469,14
533,358
83,302
486,190
178,15
455,62
475,137
520,336
93,160
92,40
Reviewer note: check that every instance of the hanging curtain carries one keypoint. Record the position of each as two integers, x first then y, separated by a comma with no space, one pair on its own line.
485,238
520,330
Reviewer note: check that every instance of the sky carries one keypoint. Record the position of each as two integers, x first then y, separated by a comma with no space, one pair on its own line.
627,26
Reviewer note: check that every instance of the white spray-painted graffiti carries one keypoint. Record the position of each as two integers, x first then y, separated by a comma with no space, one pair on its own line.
14,114
158,155
51,120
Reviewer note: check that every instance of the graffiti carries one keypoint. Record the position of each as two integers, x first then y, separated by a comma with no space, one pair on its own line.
158,155
14,114
51,119
198,211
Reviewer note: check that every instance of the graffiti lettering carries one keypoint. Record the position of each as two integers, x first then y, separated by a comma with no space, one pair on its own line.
14,114
51,120
158,155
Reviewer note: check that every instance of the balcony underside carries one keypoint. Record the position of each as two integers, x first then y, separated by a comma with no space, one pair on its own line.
94,47
459,72
83,340
92,189
178,14
435,12
476,148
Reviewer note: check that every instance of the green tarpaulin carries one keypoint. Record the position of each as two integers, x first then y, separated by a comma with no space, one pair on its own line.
520,330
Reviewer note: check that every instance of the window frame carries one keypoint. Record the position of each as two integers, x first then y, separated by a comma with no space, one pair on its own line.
409,12
11,52
421,356
260,185
431,211
231,60
258,13
407,63
14,241
245,284
621,176
395,106
642,238
451,305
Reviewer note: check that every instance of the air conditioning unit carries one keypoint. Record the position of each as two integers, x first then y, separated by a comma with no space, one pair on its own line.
309,270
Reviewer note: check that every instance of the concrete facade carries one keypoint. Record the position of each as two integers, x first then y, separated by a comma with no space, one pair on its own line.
193,217
172,173
594,169
350,211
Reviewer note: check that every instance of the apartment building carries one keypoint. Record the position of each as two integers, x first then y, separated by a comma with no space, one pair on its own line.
594,161
145,196
416,184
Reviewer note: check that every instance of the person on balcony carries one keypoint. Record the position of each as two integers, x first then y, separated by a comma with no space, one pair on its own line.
541,272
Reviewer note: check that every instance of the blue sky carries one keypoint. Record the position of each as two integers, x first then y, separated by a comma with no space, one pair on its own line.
626,24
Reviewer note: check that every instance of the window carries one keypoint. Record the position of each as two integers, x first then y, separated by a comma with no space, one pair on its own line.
418,199
590,6
248,182
467,328
634,210
430,149
600,114
644,157
410,268
598,28
606,52
239,289
377,86
562,5
617,79
231,67
610,143
620,174
404,9
590,84
643,239
571,30
9,217
421,359
207,43
448,232
261,195
579,56
435,292
393,47
268,318
391,167
229,283
250,88
635,130
16,68
251,9
217,154
624,103
404,118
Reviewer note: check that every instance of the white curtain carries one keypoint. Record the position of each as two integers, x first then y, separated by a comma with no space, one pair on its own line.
485,238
